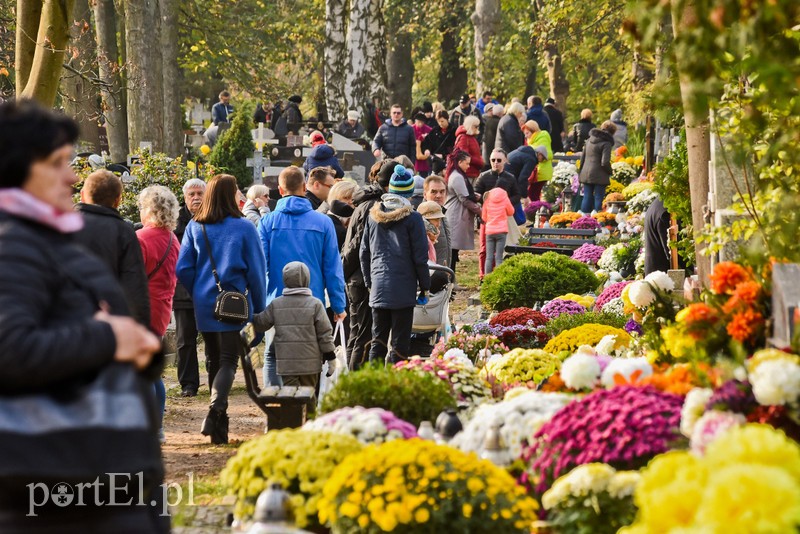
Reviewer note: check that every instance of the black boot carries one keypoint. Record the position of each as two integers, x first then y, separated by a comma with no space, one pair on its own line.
216,425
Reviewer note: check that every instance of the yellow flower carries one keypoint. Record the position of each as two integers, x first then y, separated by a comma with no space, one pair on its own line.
587,334
474,485
466,510
205,150
422,515
349,509
745,498
670,490
755,444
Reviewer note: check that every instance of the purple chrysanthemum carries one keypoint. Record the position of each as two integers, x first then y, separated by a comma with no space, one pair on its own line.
632,327
588,253
586,222
733,396
557,307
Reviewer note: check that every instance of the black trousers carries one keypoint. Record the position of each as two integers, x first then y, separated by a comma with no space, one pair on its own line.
222,353
360,324
399,323
186,340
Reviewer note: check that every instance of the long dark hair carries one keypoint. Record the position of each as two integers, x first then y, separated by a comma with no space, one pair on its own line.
453,159
219,200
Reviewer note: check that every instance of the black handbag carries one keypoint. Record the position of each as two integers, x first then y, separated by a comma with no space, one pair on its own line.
230,306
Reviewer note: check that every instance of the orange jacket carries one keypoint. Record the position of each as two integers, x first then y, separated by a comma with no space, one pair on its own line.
497,209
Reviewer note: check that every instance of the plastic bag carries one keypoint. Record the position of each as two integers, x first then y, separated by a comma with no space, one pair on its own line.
339,365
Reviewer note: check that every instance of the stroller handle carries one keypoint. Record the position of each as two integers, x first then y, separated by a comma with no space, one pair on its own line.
447,270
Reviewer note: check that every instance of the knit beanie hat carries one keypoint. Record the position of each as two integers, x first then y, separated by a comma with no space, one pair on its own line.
317,138
419,185
353,115
427,107
541,149
401,183
385,174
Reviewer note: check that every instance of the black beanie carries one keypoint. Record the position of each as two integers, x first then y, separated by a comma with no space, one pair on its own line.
427,107
385,174
297,99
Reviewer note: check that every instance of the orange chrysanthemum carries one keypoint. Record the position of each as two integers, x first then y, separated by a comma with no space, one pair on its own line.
726,276
744,325
748,292
697,313
681,378
554,384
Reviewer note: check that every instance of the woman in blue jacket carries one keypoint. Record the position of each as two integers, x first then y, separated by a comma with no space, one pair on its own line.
240,266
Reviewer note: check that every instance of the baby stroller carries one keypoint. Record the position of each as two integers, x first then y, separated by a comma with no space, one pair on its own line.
434,317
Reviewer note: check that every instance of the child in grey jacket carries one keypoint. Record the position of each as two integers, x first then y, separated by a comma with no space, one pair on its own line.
303,335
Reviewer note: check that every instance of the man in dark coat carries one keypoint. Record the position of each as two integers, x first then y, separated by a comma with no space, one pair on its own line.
351,128
291,119
395,137
536,113
490,122
394,261
112,239
464,109
222,110
595,166
657,252
521,163
556,125
318,184
580,131
497,176
357,293
182,305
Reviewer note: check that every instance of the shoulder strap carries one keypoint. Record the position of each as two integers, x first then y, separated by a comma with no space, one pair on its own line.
163,258
211,257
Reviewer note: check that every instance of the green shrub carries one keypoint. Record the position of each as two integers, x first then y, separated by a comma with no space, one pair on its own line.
234,146
525,279
413,397
566,321
152,169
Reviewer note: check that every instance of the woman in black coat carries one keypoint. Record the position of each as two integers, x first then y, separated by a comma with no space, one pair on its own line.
75,403
596,166
509,133
440,142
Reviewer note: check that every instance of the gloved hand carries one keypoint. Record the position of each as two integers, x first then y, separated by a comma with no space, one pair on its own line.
479,219
331,368
422,298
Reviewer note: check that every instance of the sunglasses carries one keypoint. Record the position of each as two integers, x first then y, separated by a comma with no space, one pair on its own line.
496,160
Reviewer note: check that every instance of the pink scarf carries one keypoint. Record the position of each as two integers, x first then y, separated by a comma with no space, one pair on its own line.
22,204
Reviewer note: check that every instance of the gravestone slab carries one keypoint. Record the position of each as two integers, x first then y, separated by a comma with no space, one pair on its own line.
785,303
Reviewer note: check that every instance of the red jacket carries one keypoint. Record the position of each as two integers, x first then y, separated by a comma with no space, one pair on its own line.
497,209
470,145
161,283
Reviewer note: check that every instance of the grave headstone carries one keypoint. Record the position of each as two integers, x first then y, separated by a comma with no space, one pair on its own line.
785,303
257,164
263,136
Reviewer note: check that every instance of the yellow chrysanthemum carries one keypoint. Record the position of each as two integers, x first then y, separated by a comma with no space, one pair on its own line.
669,491
587,334
755,444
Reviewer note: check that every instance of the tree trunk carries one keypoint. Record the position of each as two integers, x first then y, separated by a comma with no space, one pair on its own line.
452,75
113,105
695,112
82,94
376,51
559,85
400,68
29,13
640,70
366,78
145,74
52,35
173,119
335,72
485,20
531,80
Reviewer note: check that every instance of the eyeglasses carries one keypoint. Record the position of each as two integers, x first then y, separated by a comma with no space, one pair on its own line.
496,160
397,112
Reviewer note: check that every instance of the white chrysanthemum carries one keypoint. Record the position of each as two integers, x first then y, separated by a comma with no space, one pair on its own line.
776,382
625,367
693,408
710,426
641,294
584,480
660,280
459,356
580,371
606,345
615,307
623,484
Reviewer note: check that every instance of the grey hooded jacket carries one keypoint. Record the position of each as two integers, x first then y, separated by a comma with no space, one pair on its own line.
302,329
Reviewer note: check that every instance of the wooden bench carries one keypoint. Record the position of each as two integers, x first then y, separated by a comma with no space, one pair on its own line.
285,406
565,239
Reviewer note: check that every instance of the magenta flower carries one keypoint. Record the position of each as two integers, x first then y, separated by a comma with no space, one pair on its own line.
587,222
625,427
610,293
557,307
588,253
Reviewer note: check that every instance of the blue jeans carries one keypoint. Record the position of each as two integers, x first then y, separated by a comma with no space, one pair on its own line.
495,247
271,376
161,398
593,194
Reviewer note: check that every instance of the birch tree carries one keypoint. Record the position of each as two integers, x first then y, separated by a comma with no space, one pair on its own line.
41,41
366,77
335,70
112,93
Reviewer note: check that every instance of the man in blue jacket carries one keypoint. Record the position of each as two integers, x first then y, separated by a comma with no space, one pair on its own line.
537,113
295,232
395,137
222,110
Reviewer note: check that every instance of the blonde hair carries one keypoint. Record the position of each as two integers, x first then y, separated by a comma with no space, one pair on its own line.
258,190
342,190
609,127
586,113
437,107
159,206
515,109
471,122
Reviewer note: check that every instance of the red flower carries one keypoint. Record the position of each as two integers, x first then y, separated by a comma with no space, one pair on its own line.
518,316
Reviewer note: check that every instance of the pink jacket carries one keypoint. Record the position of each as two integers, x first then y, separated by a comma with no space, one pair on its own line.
497,209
